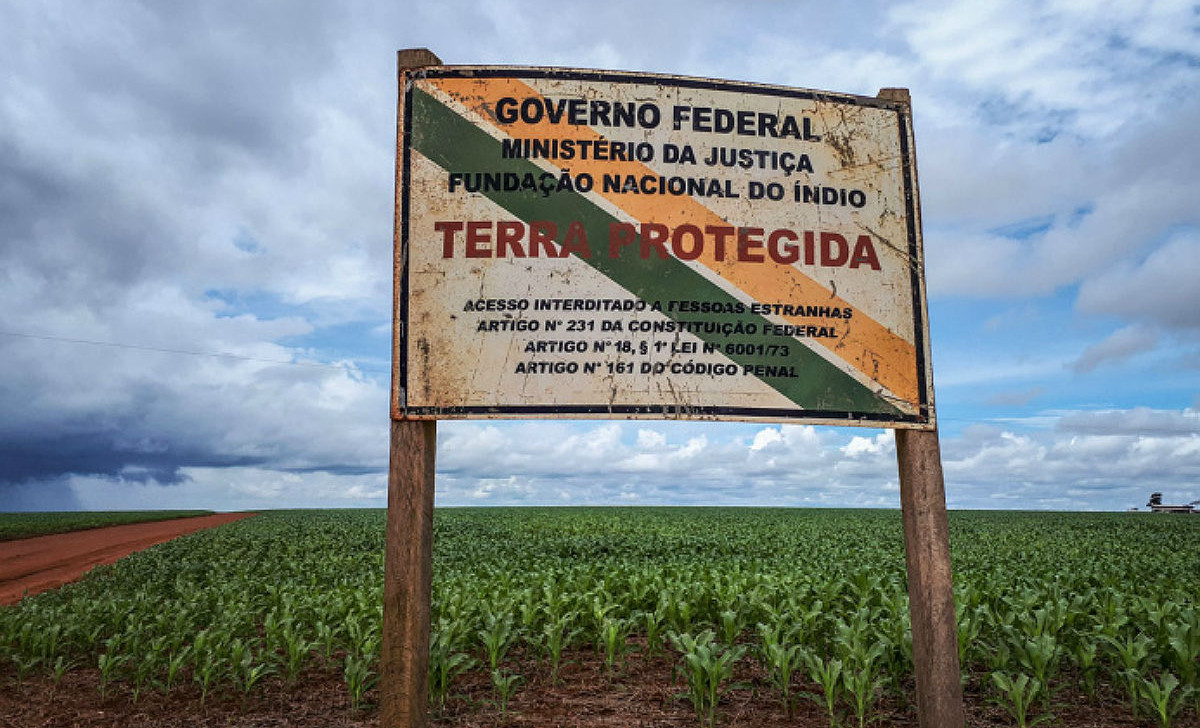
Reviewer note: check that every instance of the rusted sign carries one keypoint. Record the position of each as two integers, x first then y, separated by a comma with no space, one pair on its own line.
593,244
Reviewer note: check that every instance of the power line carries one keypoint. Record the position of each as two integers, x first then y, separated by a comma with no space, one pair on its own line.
164,350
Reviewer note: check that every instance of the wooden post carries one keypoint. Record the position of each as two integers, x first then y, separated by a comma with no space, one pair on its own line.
927,537
408,555
408,576
930,589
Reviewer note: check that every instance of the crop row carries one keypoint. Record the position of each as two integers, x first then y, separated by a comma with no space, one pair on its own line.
1044,602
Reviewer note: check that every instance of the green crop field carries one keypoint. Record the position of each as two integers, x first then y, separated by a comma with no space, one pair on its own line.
24,525
1098,607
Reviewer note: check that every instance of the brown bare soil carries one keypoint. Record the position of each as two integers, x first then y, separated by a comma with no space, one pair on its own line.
34,565
640,693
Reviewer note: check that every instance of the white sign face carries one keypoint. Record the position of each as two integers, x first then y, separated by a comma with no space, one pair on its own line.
593,244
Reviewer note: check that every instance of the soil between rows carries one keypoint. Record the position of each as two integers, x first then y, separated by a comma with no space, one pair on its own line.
639,693
34,565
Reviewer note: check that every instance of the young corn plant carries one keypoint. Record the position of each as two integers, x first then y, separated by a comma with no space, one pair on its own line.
48,641
496,637
59,669
145,668
325,640
601,608
205,670
652,622
205,673
175,662
1017,695
1112,613
1161,697
529,609
999,655
781,661
363,631
680,614
862,680
804,619
556,636
827,673
237,650
109,663
555,600
248,671
894,635
862,587
1158,613
444,665
294,650
970,624
731,624
25,665
707,666
1040,656
615,635
1131,655
862,655
1084,654
504,684
359,678
1183,641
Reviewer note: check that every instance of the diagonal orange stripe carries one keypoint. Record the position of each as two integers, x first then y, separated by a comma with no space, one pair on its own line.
862,342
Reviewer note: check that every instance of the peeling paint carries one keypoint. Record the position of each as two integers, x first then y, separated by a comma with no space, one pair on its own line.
842,339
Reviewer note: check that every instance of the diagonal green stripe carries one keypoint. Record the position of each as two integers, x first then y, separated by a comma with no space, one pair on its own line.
457,145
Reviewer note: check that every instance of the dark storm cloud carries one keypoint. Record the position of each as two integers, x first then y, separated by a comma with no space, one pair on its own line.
43,458
139,416
134,138
39,496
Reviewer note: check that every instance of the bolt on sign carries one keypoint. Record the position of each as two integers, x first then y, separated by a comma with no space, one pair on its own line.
598,244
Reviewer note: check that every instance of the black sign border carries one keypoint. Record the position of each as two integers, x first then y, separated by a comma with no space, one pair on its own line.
924,418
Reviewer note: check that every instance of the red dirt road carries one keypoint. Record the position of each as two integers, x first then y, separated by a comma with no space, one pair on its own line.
42,563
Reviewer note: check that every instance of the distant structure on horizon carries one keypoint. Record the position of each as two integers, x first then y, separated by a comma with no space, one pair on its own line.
1156,506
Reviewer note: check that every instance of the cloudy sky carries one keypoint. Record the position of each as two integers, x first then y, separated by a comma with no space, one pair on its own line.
196,226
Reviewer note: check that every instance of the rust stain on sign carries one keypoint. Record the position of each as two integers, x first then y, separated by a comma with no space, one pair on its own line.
594,244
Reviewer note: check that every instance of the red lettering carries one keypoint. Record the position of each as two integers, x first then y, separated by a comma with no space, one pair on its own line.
719,233
478,236
447,229
620,234
508,235
782,246
864,252
783,254
750,245
541,234
679,247
576,241
831,256
654,235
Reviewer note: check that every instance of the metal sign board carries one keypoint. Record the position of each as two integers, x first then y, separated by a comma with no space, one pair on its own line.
597,244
